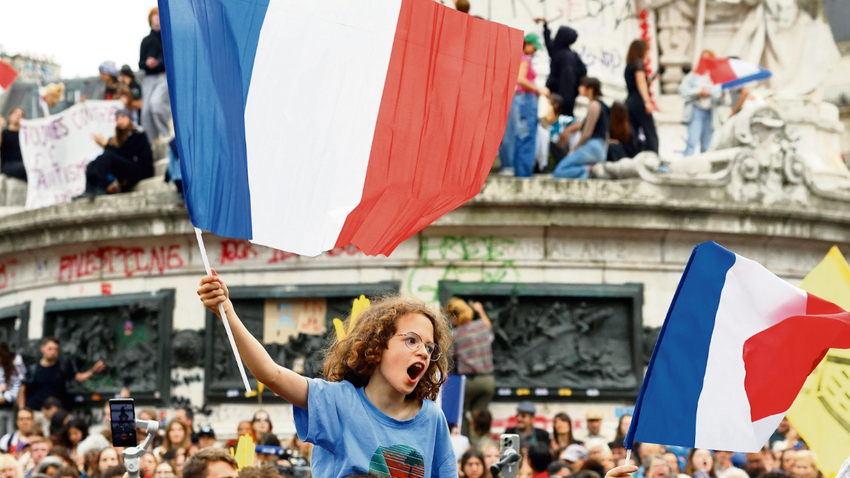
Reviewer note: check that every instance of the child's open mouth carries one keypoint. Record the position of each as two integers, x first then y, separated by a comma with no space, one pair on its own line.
414,371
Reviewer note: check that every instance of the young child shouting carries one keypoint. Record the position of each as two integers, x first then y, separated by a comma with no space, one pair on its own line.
374,413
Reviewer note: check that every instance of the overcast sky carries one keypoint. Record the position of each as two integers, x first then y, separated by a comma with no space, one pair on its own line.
77,35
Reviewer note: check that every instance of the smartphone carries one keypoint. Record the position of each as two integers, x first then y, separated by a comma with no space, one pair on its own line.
122,417
505,442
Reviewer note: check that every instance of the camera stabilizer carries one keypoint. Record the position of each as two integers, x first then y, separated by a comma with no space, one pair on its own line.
133,455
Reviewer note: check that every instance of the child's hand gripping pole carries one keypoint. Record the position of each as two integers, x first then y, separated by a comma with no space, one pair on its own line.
199,235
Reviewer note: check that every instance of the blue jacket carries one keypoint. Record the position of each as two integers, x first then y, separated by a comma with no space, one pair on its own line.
690,89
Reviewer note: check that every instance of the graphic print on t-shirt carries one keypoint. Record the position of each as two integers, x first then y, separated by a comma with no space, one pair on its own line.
397,461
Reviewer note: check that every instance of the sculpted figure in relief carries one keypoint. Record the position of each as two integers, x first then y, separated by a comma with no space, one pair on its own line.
791,38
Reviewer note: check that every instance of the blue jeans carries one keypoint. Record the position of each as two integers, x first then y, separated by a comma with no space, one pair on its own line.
576,165
520,140
507,149
699,130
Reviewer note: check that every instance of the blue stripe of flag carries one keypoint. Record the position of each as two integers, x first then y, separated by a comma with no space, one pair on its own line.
666,408
210,47
763,74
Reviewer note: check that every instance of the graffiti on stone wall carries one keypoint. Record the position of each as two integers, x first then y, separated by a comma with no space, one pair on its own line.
187,389
143,259
128,261
566,11
7,272
459,251
241,251
601,56
562,342
605,30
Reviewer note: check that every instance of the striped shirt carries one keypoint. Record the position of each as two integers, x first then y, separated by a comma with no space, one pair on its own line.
472,348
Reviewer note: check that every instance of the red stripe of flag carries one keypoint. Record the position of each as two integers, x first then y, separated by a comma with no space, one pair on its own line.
779,359
7,75
718,68
446,99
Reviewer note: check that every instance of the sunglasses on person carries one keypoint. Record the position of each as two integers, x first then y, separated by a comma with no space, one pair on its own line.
414,342
264,419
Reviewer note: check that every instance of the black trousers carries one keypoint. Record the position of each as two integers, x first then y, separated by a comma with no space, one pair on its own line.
15,169
641,120
126,171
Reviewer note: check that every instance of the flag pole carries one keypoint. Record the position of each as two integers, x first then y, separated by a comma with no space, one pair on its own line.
199,235
628,455
700,33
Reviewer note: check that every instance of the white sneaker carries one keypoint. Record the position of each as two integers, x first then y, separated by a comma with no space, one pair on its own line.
508,172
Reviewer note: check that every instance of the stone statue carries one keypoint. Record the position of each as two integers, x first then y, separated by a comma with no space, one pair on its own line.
791,38
754,159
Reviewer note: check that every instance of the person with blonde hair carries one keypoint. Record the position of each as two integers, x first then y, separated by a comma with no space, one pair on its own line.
734,472
9,467
473,354
52,102
806,465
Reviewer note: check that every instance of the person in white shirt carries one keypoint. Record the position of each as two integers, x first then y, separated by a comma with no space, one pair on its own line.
12,372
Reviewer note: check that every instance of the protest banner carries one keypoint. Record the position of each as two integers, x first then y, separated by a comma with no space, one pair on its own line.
56,150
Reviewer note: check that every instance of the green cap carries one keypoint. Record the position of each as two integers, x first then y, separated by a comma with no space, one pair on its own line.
534,39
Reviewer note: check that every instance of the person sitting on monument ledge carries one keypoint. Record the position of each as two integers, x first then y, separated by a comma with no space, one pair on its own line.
126,159
11,159
592,146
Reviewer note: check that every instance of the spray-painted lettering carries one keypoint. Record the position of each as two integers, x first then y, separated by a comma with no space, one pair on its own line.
116,259
232,251
7,273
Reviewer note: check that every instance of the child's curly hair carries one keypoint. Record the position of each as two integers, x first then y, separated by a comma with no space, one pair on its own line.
356,357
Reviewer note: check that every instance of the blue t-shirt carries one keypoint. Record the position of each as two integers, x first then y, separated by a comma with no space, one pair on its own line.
351,436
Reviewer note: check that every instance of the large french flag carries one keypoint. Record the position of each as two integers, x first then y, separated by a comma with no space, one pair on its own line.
731,72
735,349
306,125
7,76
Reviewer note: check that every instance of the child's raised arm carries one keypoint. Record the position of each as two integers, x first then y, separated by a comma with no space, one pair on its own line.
282,381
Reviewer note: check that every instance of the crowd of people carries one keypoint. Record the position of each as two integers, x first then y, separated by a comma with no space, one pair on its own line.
42,437
143,121
380,380
592,451
555,139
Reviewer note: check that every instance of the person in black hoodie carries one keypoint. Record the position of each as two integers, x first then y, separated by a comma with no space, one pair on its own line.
566,67
156,111
11,160
126,159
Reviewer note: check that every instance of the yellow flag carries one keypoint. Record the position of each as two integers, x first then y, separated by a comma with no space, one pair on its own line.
821,412
358,306
244,452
